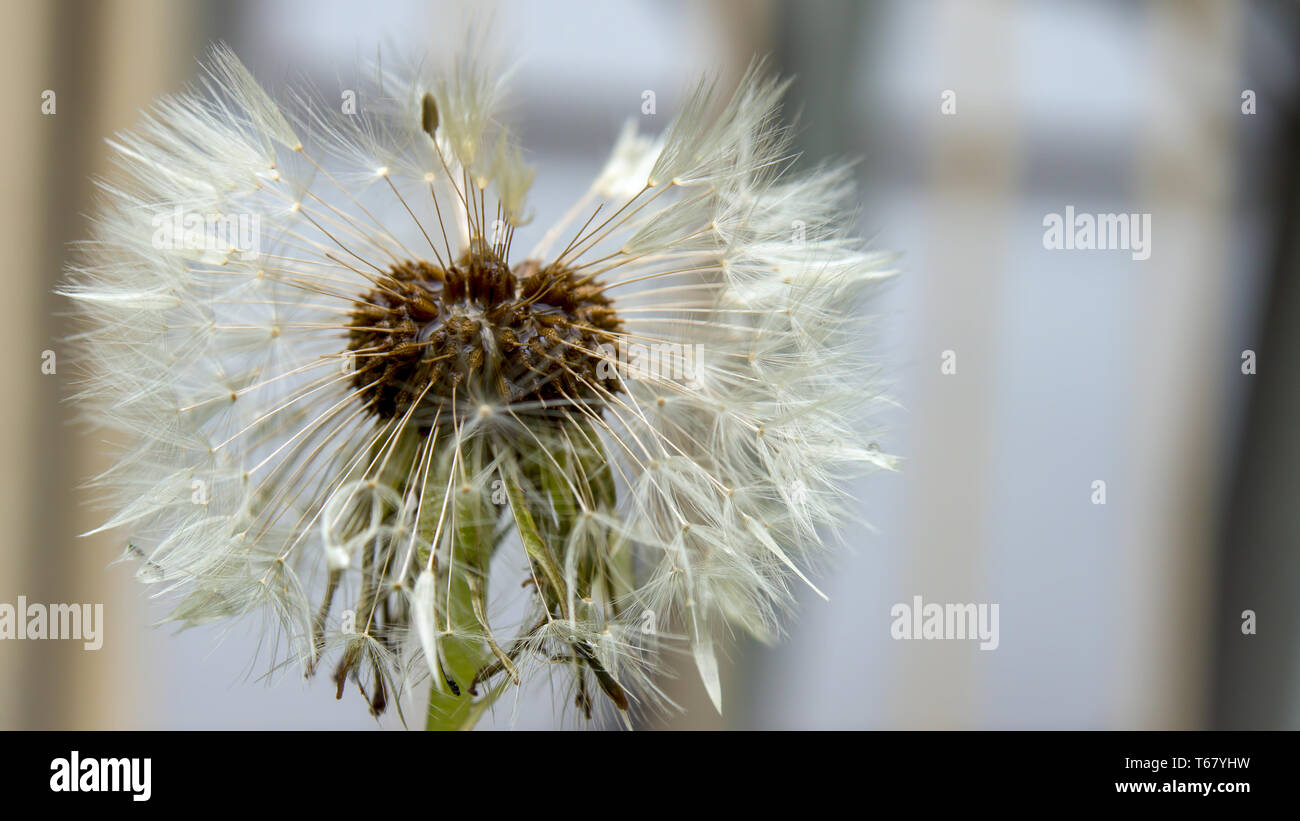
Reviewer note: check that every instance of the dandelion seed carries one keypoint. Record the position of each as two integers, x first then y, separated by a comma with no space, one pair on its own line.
649,416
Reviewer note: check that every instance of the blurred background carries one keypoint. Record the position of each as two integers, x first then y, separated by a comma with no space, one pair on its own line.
973,120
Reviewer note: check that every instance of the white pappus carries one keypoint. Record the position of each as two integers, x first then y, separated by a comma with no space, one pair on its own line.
357,417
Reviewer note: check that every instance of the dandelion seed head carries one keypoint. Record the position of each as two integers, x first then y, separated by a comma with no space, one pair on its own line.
349,412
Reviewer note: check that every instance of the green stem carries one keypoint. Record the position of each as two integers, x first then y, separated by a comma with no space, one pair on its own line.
461,586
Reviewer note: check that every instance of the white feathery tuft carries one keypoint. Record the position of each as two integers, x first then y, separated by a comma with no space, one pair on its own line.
264,321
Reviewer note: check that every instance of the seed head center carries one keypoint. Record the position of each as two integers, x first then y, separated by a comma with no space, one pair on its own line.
481,334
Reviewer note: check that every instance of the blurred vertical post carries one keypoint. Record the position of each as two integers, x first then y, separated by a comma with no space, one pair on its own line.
103,62
971,186
1184,179
24,50
1258,662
